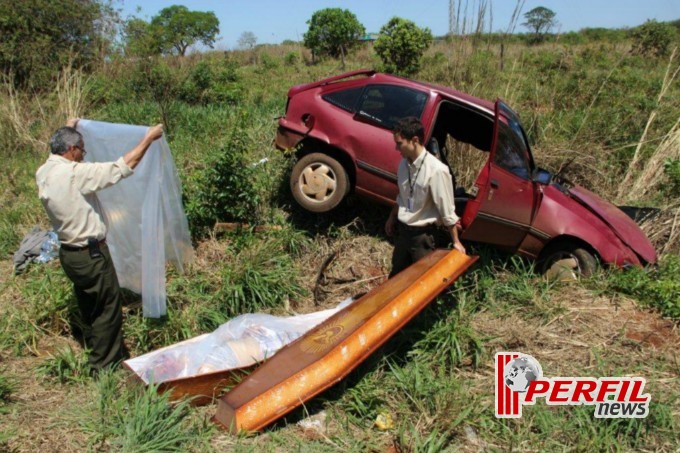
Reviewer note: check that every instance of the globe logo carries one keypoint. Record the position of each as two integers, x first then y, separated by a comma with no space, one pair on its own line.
520,372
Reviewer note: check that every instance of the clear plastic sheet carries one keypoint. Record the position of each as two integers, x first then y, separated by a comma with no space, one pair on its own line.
238,343
146,223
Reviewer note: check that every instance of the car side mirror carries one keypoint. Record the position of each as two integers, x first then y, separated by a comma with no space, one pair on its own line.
541,176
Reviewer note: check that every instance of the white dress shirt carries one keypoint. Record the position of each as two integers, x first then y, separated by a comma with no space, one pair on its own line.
425,192
67,191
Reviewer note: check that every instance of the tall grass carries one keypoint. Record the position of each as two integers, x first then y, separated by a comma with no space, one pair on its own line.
133,419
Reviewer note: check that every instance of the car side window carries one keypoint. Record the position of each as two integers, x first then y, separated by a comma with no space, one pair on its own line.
511,153
345,99
387,104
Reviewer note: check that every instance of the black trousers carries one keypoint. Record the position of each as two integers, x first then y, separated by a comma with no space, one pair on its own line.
96,286
410,245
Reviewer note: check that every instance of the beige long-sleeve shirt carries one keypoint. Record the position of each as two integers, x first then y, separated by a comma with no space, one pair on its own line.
67,191
425,192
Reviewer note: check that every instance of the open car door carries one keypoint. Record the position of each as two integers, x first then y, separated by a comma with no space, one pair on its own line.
502,210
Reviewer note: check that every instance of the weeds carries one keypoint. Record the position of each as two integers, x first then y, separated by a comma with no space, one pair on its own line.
66,366
657,288
7,388
139,419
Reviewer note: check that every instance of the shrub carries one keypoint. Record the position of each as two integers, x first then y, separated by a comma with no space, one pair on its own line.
268,62
210,82
291,58
653,38
227,189
401,45
657,288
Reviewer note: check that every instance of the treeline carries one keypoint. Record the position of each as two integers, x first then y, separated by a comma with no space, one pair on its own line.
39,38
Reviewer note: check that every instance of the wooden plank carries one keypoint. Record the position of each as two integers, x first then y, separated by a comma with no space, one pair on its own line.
327,353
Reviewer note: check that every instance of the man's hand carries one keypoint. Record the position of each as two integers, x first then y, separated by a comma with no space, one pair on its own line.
453,229
135,155
72,122
459,246
155,132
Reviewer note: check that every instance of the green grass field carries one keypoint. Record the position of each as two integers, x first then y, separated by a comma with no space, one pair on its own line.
615,114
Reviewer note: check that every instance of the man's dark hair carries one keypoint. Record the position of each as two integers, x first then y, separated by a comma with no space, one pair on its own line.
410,127
63,139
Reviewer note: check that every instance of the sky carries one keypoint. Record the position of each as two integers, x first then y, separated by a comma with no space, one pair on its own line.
273,21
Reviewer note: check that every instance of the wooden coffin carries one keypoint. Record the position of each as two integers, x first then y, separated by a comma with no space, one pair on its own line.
327,353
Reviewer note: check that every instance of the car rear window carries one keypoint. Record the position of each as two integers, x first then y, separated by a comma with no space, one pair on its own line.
345,99
387,104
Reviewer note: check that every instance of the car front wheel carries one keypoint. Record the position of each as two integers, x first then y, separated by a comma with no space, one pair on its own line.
568,262
319,182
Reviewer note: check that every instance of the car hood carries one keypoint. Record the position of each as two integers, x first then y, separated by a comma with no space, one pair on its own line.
622,225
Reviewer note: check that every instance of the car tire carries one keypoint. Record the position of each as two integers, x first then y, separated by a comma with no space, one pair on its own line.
319,182
568,262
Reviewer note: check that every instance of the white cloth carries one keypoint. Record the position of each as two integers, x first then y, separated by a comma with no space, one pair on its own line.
67,191
428,197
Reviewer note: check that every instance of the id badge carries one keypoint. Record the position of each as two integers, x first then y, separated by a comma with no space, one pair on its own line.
409,204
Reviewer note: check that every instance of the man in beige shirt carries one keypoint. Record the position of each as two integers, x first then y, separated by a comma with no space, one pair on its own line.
425,201
67,188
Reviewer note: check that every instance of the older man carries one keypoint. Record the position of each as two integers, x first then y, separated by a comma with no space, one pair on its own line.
67,187
425,199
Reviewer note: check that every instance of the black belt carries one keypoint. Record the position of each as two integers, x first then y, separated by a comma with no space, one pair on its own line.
420,229
72,248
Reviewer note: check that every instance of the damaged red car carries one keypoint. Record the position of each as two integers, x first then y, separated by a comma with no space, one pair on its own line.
341,131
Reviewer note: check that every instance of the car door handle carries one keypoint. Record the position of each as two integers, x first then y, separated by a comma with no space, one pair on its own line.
494,184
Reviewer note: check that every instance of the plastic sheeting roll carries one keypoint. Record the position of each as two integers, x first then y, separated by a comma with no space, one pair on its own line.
146,223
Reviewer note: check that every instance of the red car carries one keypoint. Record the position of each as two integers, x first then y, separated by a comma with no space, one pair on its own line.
341,129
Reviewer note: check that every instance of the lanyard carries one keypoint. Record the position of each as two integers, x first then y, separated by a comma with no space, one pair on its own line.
411,185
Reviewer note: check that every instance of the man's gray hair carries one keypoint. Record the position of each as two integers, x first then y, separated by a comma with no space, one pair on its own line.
63,139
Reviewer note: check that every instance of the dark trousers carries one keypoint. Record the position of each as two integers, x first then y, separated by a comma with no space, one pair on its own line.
410,245
98,293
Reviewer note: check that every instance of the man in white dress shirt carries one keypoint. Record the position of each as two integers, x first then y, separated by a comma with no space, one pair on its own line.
425,201
67,187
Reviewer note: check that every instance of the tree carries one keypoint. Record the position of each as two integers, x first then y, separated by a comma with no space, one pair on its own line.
247,40
40,37
401,44
333,32
540,20
140,39
177,28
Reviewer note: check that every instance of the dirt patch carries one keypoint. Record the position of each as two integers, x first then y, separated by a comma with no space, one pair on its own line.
344,268
40,416
648,330
587,332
